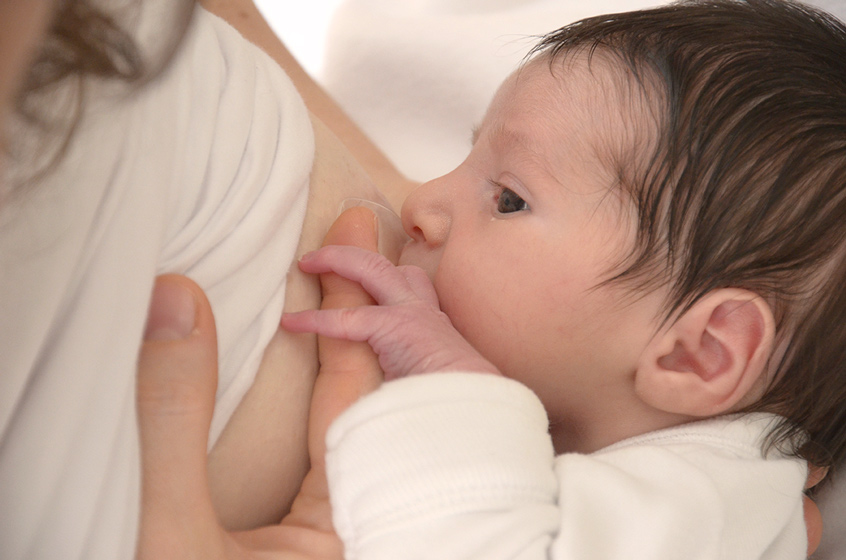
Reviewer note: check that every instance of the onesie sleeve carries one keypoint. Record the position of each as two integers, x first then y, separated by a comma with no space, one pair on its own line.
458,465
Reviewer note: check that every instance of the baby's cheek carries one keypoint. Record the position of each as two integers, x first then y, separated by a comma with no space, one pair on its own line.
461,306
481,330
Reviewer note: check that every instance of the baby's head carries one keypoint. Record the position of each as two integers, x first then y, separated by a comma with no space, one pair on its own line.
651,226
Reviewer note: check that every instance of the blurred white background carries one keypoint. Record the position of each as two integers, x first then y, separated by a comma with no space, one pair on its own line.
459,50
302,26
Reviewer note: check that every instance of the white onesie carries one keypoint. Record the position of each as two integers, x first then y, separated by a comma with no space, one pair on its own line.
460,466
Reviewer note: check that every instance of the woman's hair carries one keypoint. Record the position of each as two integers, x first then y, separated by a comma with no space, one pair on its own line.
90,39
746,184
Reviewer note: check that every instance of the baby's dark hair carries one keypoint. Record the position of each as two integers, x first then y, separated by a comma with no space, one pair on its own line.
746,184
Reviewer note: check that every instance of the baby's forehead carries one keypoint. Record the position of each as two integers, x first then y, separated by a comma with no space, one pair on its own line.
598,78
589,103
577,117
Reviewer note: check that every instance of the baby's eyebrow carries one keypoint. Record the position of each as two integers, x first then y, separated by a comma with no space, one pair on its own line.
503,135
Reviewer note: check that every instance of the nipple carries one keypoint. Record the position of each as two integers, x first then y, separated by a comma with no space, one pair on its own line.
392,237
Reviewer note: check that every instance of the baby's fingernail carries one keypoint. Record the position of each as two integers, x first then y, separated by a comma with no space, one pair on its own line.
307,256
172,312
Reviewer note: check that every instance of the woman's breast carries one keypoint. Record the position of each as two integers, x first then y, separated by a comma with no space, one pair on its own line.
258,463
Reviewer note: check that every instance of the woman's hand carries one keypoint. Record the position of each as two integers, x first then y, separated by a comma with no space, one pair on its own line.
348,370
177,379
176,383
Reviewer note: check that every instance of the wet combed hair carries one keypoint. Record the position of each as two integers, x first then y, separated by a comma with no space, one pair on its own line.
746,185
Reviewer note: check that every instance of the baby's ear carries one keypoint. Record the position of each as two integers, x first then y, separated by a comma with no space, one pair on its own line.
705,362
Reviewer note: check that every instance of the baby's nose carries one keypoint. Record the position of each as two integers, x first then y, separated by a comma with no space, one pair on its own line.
426,215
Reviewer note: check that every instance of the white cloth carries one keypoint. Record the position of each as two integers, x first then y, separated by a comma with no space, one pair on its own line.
455,465
203,172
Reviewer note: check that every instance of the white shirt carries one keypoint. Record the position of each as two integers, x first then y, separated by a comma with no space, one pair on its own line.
203,172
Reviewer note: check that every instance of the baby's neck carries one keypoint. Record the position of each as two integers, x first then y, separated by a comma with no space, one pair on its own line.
592,434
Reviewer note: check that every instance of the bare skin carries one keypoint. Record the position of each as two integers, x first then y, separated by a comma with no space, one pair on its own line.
176,385
176,399
179,521
246,18
256,466
261,490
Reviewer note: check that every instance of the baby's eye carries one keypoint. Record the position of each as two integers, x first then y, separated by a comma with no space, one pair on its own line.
508,201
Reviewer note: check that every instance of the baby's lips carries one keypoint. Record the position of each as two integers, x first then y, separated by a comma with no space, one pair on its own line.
392,237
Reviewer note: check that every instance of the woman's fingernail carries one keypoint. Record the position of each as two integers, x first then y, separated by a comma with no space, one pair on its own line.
389,230
172,312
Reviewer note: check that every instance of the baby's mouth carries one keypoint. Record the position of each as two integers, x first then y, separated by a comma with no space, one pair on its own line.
415,253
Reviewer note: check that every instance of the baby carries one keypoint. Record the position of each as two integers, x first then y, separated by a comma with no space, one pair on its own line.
646,253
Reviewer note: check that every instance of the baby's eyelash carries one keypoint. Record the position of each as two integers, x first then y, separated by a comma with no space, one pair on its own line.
508,201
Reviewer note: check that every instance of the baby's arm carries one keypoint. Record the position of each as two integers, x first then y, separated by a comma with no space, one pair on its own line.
406,329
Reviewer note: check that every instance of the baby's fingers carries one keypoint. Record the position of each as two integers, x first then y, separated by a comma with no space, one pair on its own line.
356,324
376,274
420,284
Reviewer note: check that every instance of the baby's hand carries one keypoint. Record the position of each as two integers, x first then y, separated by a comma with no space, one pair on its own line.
406,329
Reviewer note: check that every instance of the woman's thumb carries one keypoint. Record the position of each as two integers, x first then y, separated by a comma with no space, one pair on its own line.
176,384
